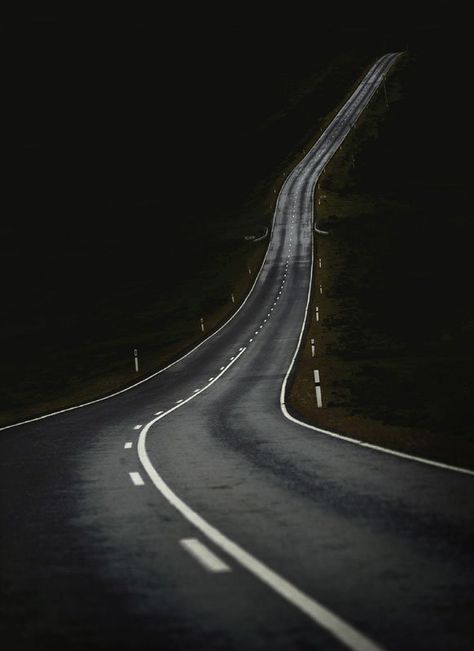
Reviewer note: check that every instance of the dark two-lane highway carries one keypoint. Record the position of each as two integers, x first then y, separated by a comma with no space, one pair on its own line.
190,512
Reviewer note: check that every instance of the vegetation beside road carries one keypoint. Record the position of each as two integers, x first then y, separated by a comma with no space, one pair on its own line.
111,253
395,340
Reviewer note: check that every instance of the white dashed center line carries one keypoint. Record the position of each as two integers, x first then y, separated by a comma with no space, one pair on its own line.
128,445
204,556
136,478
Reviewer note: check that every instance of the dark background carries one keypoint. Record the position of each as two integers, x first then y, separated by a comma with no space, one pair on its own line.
134,129
139,136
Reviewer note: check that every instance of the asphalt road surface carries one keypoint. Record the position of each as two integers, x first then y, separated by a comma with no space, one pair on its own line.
190,512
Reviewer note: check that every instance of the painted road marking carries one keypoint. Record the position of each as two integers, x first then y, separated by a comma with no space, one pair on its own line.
158,413
204,555
222,368
138,426
136,478
352,124
178,401
342,631
128,445
195,391
316,376
210,379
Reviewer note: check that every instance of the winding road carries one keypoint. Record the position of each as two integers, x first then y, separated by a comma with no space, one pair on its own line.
191,511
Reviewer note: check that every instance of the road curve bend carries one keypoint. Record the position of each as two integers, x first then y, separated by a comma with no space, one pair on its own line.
189,512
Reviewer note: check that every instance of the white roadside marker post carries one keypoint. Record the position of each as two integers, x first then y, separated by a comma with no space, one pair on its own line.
313,347
232,297
317,313
135,356
319,263
317,382
320,289
202,324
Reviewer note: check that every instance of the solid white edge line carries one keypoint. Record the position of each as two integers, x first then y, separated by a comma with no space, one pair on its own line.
203,555
314,610
372,446
318,613
176,361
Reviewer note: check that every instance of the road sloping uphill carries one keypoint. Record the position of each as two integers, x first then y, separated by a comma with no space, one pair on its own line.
290,538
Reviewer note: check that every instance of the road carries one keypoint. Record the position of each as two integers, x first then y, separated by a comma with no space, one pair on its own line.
190,512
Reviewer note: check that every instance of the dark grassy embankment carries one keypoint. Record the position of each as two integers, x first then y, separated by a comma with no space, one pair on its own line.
140,180
395,341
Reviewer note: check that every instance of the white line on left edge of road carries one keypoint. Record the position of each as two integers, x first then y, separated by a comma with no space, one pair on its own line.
204,555
314,610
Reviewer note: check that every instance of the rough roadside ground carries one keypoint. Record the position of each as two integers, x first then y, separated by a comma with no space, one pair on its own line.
395,337
110,251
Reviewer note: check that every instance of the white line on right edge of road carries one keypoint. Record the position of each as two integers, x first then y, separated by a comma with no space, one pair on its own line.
314,610
349,439
204,555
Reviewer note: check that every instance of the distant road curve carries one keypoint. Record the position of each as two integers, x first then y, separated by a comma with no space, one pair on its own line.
270,535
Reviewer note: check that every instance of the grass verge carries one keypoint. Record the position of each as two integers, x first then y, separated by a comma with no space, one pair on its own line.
395,336
72,323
